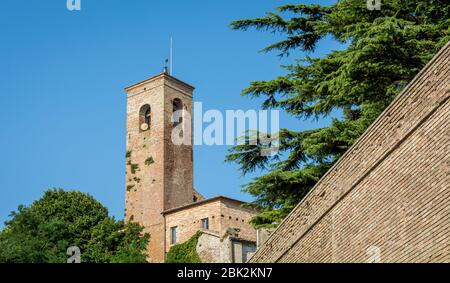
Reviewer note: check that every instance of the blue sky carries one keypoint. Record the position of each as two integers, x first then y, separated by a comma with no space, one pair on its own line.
62,75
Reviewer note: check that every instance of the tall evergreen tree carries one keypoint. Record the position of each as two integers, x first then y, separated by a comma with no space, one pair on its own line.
384,50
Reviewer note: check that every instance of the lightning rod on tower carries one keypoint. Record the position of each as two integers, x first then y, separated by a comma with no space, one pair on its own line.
171,56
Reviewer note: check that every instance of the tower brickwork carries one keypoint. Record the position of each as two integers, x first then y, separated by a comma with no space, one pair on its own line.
159,173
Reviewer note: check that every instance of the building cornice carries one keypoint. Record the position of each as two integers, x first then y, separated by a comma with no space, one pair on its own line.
156,77
198,203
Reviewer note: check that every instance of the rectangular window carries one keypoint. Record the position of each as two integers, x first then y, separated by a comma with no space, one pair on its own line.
173,235
242,251
205,223
247,250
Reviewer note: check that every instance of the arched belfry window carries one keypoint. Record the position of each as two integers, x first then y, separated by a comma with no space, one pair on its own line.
177,117
145,118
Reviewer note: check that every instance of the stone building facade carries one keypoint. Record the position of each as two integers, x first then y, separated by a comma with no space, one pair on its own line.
388,198
160,193
227,234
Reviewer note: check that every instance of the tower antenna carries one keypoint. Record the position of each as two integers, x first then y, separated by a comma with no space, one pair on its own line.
171,56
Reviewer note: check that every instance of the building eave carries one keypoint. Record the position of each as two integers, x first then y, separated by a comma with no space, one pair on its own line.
201,202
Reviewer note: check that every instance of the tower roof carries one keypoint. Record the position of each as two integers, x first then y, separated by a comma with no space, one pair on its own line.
164,75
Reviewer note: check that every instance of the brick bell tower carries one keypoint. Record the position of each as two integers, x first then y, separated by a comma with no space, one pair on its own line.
159,173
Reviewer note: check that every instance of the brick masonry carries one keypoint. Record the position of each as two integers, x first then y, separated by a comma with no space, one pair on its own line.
388,198
160,194
222,213
168,181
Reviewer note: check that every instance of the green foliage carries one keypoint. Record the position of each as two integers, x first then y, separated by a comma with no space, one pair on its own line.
134,168
114,242
43,231
382,51
128,154
130,187
185,252
149,161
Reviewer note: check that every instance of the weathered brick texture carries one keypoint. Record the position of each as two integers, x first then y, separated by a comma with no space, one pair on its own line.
389,195
159,174
166,181
222,213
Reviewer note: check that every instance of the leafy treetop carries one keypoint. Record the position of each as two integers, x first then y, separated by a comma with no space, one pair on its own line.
43,231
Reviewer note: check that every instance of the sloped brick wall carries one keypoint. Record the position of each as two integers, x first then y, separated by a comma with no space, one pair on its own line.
388,198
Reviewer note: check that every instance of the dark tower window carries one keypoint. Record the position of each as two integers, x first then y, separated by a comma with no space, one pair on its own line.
176,106
145,117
